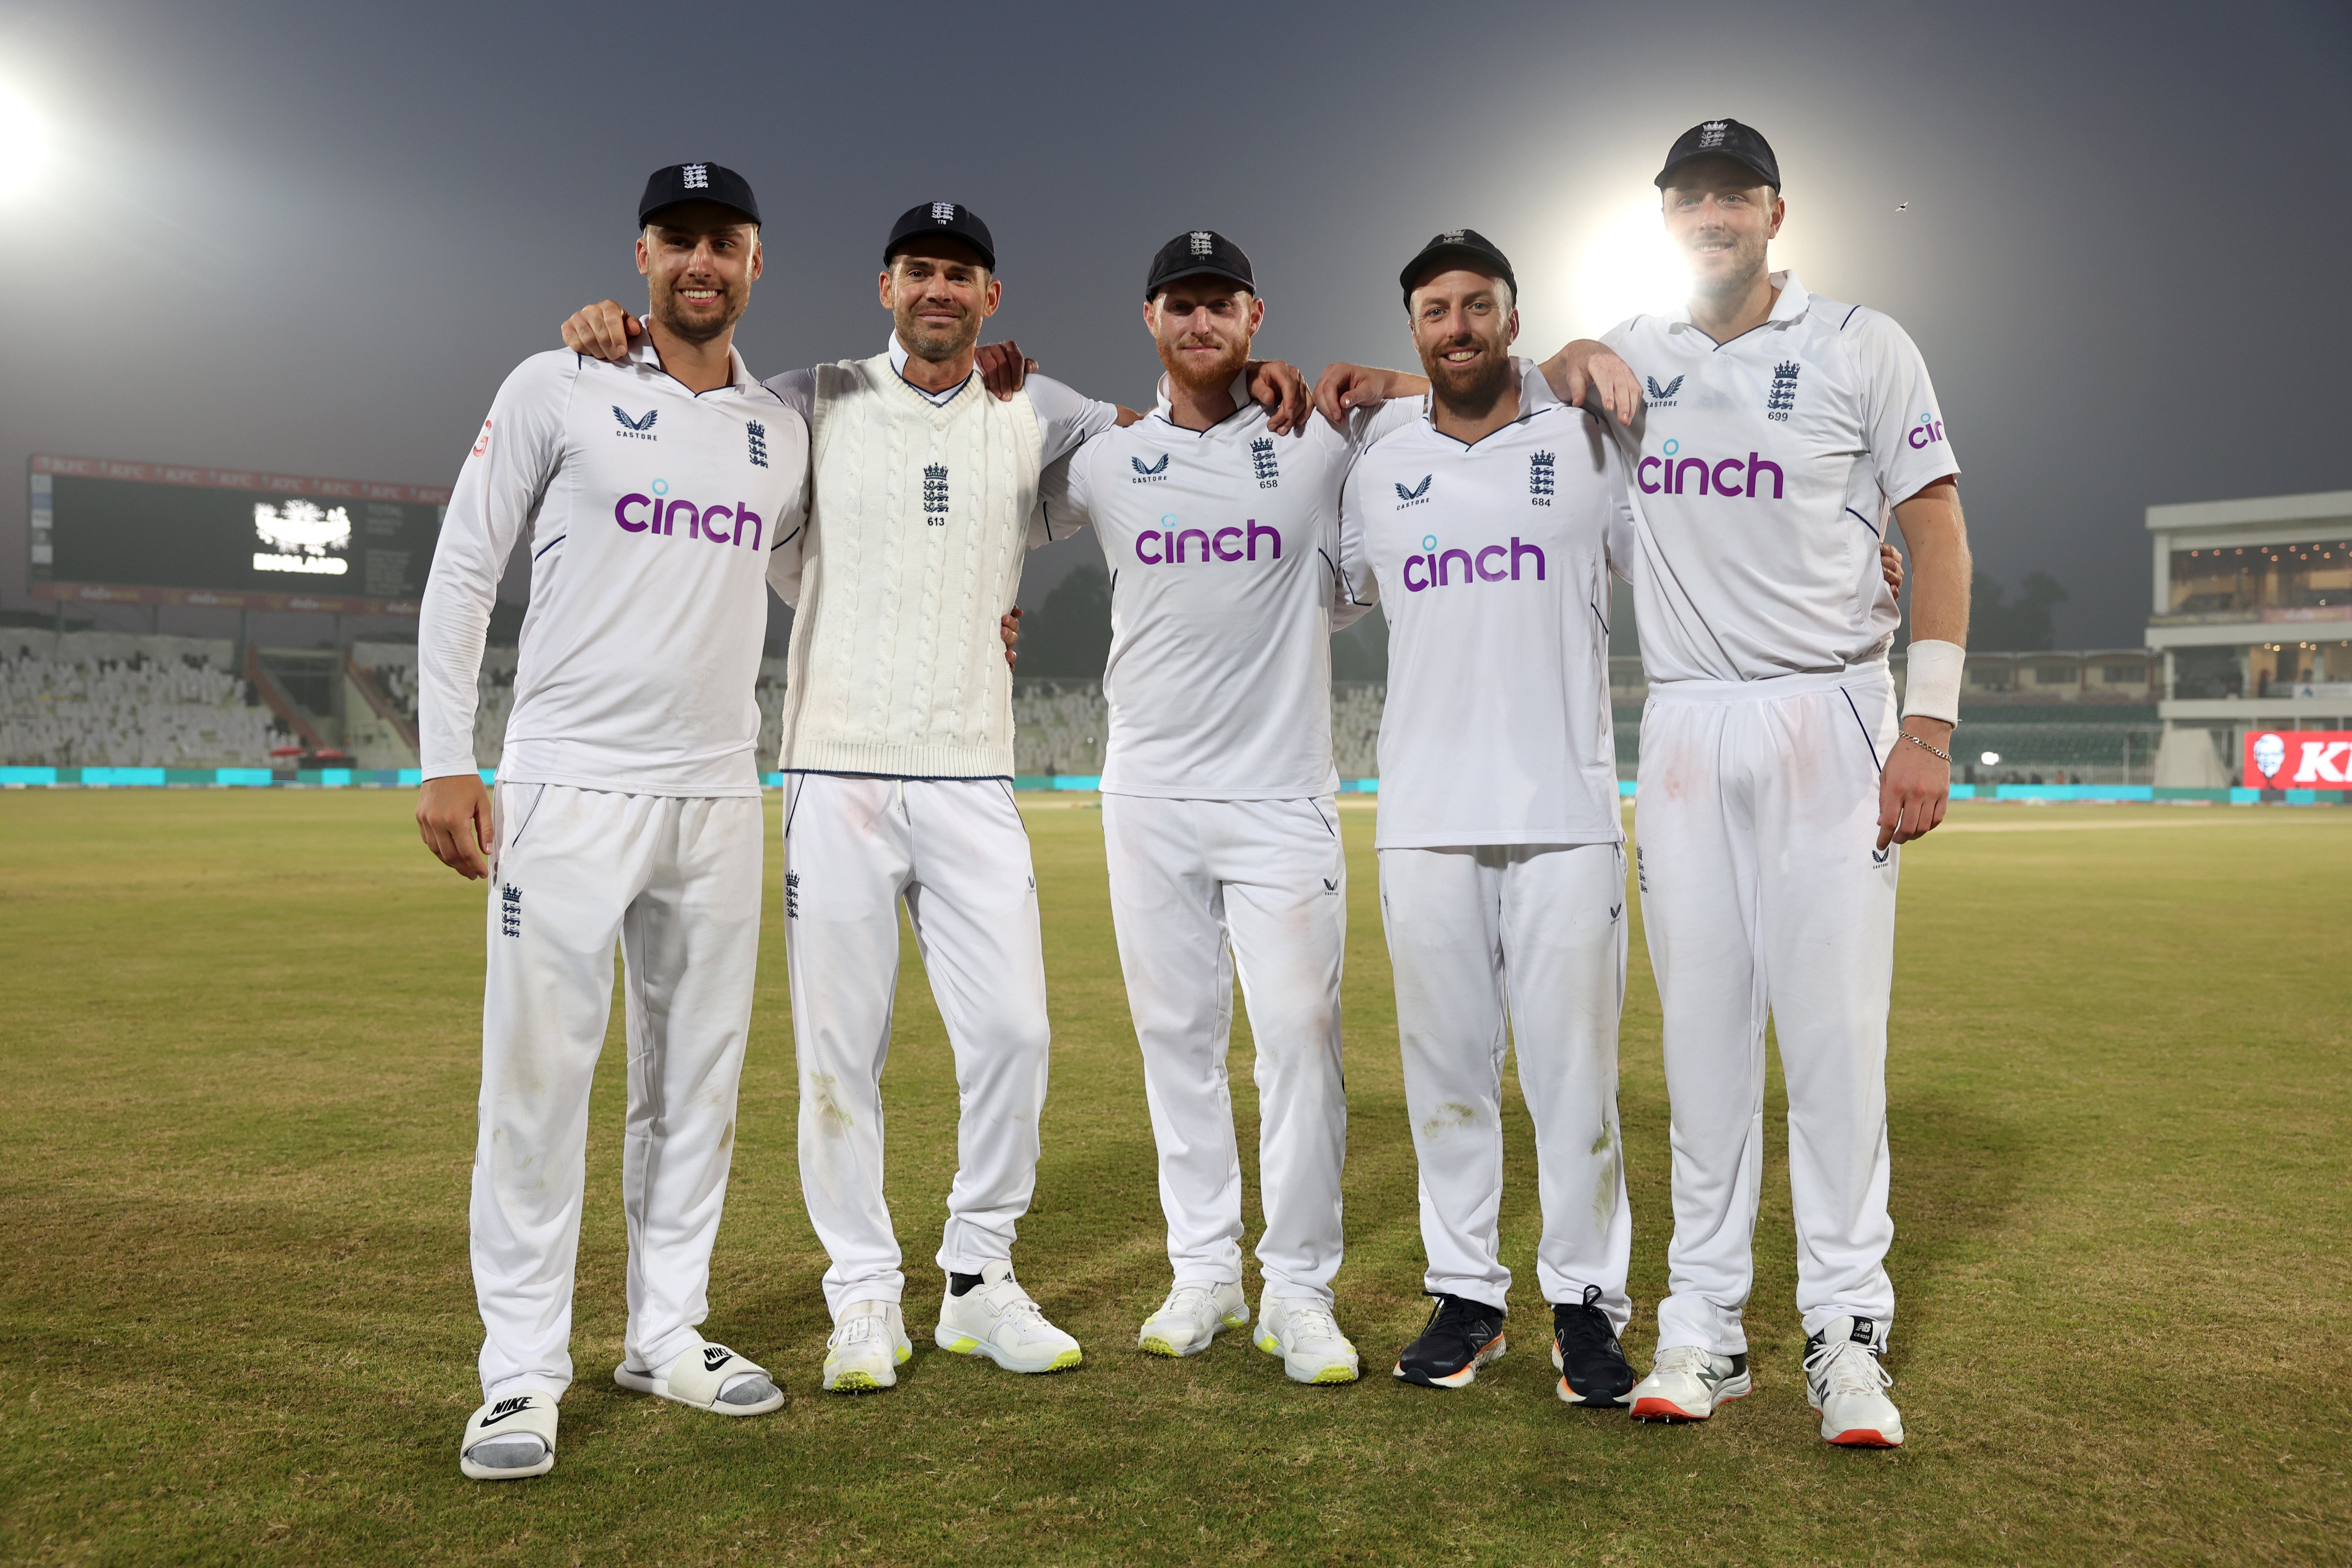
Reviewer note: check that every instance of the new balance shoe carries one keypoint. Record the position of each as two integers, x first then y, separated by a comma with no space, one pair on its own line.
1845,1381
1688,1383
996,1319
1593,1365
1307,1337
1192,1317
1462,1336
867,1348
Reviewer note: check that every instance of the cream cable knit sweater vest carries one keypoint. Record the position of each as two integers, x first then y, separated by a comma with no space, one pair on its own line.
917,525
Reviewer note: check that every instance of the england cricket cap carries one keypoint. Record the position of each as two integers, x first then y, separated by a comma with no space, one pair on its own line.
697,183
950,218
1743,145
1461,245
1202,252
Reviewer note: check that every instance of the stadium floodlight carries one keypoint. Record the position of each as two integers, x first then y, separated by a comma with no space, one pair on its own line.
1989,759
1629,266
24,142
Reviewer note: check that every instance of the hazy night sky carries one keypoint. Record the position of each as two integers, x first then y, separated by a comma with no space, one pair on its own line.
314,239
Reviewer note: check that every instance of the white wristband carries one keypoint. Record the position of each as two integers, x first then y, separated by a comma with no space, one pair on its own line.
1931,686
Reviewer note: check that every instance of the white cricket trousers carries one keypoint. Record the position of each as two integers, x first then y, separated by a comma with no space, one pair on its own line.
1200,890
1533,935
675,881
1764,894
955,852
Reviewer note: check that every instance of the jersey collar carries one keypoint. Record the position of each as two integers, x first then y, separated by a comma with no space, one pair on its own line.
898,358
643,354
1787,305
1165,406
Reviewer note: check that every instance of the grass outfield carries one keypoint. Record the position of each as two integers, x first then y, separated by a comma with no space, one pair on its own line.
240,1044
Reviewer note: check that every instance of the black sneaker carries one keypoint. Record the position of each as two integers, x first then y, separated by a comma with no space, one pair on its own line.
1592,1364
1462,1336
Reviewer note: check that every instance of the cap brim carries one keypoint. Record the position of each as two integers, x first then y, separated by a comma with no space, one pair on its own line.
987,257
650,213
1750,164
1479,260
1152,290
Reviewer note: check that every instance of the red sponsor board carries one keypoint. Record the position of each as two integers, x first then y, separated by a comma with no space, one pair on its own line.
2298,759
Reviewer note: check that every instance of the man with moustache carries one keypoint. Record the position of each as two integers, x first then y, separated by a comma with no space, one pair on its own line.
1487,527
899,756
1783,432
653,492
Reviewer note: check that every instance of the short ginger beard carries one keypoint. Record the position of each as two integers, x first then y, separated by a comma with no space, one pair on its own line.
926,342
732,300
1195,377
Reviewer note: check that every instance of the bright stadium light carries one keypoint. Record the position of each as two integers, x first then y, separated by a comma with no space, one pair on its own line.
1990,759
1628,267
24,142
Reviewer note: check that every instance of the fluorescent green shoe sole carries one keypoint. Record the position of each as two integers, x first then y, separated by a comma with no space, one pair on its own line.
855,1383
1152,1345
1333,1375
1066,1360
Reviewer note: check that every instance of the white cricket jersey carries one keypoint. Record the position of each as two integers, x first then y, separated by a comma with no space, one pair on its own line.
653,514
1223,549
1492,564
1764,472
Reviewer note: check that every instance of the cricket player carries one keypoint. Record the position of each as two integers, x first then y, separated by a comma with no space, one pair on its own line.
898,755
1487,528
1220,816
653,493
1783,430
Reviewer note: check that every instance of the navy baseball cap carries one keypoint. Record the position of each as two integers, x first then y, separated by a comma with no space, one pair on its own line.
1743,145
1460,245
955,221
697,183
1202,252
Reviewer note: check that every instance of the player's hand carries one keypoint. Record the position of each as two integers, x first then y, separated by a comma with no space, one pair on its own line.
1008,626
454,818
1343,388
1003,367
1280,388
1586,366
1890,566
1916,785
601,331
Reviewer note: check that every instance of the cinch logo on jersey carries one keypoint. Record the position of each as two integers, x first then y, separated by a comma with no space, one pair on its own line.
1675,475
1171,545
1927,433
1486,565
718,524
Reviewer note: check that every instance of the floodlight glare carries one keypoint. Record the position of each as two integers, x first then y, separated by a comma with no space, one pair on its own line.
1629,267
24,143
1990,759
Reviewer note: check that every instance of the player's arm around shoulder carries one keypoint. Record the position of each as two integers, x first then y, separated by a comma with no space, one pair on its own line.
788,537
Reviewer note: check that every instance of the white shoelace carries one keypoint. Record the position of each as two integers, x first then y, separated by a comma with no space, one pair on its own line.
1019,1309
1847,1367
1688,1359
1312,1323
1189,1300
856,1329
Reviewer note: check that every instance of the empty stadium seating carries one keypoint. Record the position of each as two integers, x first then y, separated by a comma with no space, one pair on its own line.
109,700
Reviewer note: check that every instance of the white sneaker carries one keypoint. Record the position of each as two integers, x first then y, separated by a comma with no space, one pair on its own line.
1686,1384
1307,1338
996,1319
1192,1317
1846,1383
867,1348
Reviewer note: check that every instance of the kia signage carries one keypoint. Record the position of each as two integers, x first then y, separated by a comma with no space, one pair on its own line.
2299,759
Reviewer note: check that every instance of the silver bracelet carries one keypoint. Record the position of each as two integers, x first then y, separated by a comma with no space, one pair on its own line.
1930,746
